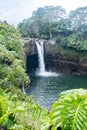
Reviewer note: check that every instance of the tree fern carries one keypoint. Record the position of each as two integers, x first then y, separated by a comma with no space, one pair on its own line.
70,111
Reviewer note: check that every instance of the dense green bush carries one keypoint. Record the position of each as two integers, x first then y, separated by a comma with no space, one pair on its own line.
19,112
77,41
12,66
10,37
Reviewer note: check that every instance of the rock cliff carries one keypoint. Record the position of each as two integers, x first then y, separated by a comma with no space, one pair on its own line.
56,58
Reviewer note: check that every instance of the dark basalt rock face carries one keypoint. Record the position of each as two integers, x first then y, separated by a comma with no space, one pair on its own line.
32,63
59,62
66,67
54,59
30,47
31,55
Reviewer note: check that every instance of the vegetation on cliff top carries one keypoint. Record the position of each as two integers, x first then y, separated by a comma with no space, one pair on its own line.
52,22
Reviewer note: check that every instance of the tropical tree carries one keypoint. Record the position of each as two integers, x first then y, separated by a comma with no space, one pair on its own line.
39,25
78,17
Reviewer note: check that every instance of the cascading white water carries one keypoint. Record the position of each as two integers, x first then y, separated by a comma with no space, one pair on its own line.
40,56
41,70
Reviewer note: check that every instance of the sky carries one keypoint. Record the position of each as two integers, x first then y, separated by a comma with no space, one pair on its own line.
14,11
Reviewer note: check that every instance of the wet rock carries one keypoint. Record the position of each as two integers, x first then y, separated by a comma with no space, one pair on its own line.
55,60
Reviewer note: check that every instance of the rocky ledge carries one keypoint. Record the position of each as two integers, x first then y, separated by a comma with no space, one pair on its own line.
56,58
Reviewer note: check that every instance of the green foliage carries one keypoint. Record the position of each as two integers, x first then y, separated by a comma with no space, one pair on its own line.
18,111
78,17
58,39
51,22
13,76
77,41
10,38
7,111
70,111
40,24
12,71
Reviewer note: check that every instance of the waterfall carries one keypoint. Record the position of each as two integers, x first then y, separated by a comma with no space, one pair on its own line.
40,56
41,70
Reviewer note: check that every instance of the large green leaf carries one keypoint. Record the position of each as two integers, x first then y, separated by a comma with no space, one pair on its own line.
70,111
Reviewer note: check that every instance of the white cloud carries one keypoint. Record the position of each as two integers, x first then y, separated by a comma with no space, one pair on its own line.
14,11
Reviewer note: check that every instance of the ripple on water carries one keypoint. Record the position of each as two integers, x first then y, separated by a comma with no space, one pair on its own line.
46,89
